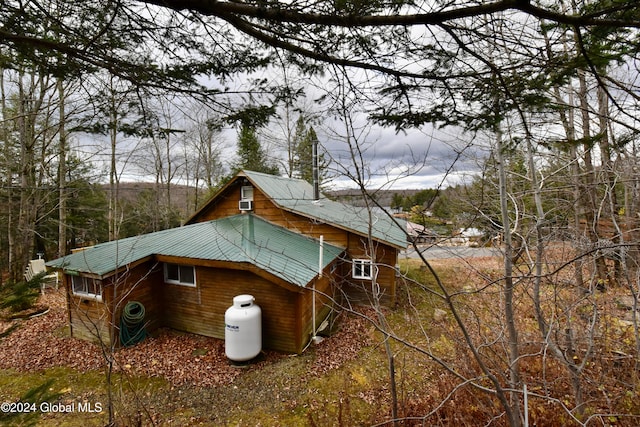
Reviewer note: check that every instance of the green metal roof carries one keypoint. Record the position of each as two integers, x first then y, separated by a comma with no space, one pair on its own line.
240,238
296,195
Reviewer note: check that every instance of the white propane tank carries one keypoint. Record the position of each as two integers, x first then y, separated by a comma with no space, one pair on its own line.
243,329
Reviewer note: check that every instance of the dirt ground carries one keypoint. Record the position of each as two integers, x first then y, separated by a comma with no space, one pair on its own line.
343,380
43,342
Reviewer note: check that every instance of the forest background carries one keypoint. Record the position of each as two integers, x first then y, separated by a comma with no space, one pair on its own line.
539,99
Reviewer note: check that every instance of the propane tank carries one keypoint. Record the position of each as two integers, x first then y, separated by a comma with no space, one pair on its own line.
243,329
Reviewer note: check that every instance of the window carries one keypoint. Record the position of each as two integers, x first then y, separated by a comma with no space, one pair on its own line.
180,274
362,269
86,287
246,193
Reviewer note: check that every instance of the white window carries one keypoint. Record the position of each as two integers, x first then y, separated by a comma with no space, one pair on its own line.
246,193
362,269
180,274
86,287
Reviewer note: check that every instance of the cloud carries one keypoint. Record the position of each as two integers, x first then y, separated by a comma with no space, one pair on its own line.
419,158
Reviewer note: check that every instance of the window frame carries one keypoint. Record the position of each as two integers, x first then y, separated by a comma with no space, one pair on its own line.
179,269
246,193
86,285
362,264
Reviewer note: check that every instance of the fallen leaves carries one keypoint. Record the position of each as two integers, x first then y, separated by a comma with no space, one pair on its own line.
34,344
171,355
344,345
182,359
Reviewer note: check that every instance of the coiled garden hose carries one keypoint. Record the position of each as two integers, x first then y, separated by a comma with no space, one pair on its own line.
132,329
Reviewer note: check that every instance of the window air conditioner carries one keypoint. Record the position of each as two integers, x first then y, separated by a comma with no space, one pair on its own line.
246,205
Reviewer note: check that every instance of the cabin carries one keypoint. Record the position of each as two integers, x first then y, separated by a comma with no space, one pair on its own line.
297,252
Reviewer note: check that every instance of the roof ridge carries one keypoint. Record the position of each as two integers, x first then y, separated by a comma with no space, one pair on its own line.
280,177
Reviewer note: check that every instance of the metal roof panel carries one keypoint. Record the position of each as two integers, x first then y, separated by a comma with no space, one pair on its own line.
239,238
296,195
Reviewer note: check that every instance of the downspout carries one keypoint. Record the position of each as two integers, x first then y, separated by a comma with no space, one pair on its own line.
314,337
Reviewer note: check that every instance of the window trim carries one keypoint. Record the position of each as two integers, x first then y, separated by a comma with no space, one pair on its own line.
84,293
363,264
179,281
246,197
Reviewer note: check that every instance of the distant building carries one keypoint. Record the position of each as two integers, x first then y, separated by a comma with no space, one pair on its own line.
420,234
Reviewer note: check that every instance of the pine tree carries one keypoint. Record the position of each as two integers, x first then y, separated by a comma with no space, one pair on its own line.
251,155
303,142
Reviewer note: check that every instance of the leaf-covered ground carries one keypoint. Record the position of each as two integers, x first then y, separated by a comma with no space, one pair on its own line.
41,342
183,379
173,378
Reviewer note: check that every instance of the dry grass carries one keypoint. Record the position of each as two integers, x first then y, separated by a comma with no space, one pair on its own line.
609,377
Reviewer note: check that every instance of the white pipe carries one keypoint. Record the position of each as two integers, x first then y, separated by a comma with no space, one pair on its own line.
315,170
321,256
313,297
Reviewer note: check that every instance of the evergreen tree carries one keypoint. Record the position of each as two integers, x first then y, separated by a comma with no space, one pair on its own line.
86,210
304,140
251,155
304,156
396,202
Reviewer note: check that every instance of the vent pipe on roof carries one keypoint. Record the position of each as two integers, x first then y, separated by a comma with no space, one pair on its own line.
248,236
315,172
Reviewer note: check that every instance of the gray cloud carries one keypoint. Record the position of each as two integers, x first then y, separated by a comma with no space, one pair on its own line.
415,159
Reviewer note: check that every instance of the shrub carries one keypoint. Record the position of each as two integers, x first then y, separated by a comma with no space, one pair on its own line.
19,296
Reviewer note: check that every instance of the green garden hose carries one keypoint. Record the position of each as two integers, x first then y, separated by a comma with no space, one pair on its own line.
132,329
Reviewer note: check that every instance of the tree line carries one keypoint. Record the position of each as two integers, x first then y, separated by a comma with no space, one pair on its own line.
543,94
52,207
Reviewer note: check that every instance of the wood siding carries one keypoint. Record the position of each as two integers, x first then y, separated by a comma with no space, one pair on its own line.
226,204
323,289
89,319
201,309
385,259
198,310
100,320
287,314
139,284
386,256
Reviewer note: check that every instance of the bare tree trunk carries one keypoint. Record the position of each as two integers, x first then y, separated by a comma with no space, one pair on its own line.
62,174
10,226
26,162
610,182
113,174
631,199
30,99
358,176
509,286
567,119
588,189
170,171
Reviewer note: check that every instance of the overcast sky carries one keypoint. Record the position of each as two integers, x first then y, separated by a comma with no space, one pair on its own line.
411,159
415,159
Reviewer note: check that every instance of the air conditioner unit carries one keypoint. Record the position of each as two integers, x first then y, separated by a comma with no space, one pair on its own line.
246,205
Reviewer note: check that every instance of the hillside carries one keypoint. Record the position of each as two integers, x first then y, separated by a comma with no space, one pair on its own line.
355,197
183,197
